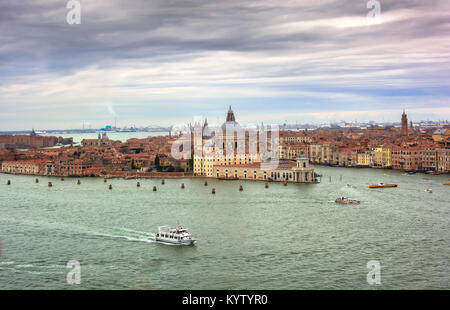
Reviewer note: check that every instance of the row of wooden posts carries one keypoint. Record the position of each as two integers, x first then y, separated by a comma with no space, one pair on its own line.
49,183
138,184
213,191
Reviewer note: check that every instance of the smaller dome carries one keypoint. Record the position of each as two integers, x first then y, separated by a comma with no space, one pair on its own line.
230,115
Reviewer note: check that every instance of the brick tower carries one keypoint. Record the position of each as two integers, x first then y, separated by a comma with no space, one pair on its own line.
404,130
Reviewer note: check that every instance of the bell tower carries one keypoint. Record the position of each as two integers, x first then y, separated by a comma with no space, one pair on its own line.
404,130
302,162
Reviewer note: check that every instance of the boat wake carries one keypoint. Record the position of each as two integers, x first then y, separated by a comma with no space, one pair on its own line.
32,268
130,235
109,232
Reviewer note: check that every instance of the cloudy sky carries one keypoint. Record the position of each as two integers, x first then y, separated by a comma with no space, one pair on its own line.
162,62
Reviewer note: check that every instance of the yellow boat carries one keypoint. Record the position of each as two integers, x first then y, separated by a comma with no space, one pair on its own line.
382,185
446,183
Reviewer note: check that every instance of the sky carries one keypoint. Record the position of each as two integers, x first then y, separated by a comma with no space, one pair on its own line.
164,62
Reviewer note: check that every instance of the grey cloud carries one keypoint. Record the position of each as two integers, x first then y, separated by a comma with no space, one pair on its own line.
37,44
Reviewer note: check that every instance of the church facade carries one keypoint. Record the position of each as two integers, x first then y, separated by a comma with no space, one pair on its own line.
210,162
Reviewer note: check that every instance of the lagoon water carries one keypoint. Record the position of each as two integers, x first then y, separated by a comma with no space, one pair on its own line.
283,237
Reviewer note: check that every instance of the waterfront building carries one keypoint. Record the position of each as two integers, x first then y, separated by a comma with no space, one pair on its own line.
443,160
222,163
27,141
381,157
321,153
429,159
299,171
344,157
364,158
407,158
204,166
32,167
315,151
206,156
67,166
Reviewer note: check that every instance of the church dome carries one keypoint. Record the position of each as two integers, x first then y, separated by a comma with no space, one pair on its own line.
230,123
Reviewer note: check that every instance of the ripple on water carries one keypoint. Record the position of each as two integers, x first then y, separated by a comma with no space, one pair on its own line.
292,237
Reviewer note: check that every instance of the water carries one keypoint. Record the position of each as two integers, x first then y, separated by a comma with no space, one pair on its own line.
292,237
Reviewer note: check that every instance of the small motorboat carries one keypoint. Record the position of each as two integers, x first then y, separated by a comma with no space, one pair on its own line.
178,235
382,185
429,191
347,201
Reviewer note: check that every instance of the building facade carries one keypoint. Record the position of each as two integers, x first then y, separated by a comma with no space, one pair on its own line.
299,171
32,167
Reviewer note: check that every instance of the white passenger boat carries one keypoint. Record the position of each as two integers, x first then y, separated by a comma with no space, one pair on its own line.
178,235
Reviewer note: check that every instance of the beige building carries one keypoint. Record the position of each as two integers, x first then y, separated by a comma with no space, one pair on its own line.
321,153
299,171
381,157
102,140
206,156
364,158
32,167
430,159
292,151
203,166
443,160
294,137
